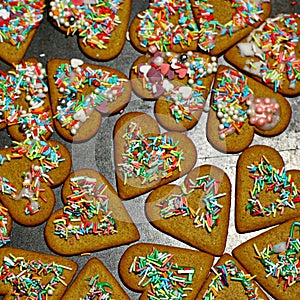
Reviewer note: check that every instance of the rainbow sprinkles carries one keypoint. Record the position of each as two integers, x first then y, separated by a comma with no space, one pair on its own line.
98,289
93,21
86,212
18,18
149,158
268,178
178,204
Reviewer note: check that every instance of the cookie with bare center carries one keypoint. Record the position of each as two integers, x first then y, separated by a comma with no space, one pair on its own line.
189,267
95,280
197,212
100,26
271,54
145,158
93,217
242,107
266,192
25,105
38,274
178,82
28,171
19,21
81,94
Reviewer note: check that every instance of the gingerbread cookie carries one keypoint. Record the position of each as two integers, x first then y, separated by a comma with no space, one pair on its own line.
5,223
229,280
33,275
266,192
95,281
146,159
168,25
99,25
273,257
163,271
81,93
222,23
179,82
19,21
93,217
25,106
241,107
270,54
197,212
28,170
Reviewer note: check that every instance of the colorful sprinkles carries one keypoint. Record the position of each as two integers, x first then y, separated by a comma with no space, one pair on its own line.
246,13
4,236
29,78
287,267
274,43
98,289
73,107
86,202
26,277
18,18
94,22
268,178
149,158
156,25
178,205
158,77
167,279
227,272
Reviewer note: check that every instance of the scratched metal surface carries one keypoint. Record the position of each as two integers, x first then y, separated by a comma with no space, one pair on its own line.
97,152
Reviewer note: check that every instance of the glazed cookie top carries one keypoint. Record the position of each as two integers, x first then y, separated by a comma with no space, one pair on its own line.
271,53
24,105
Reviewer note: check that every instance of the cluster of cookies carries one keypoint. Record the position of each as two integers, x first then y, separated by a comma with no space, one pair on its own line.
181,42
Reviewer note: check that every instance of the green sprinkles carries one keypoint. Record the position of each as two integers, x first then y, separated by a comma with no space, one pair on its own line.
98,290
177,204
149,158
287,267
167,280
268,178
225,273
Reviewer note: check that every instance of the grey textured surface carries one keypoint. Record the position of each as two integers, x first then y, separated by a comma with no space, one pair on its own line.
98,152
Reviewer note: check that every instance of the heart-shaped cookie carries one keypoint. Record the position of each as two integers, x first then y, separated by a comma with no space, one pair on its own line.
179,82
222,23
165,25
81,93
229,280
266,193
188,267
196,213
28,170
5,224
271,54
241,107
28,274
93,217
25,106
95,280
273,257
146,159
19,21
100,26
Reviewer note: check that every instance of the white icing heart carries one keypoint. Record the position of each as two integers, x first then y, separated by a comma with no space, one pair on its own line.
80,116
167,85
174,65
75,62
4,14
186,91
